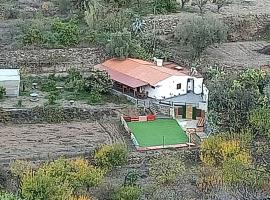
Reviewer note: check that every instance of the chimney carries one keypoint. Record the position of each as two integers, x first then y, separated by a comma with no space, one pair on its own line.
159,62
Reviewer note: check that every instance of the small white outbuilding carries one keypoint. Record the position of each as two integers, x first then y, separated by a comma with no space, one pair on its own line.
10,79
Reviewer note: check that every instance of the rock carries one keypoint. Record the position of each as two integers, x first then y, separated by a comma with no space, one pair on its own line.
265,50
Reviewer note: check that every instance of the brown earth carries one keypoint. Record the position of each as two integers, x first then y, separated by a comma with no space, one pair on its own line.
238,54
44,141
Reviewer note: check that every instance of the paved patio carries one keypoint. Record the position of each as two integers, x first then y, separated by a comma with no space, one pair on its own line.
187,98
188,123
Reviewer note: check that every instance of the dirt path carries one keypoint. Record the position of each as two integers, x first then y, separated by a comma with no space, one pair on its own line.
40,141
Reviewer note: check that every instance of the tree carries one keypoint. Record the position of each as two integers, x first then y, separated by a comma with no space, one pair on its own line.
233,96
221,3
200,3
93,13
97,81
119,44
200,32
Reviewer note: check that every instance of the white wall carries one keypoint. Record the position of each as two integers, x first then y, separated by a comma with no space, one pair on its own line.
12,87
168,87
198,85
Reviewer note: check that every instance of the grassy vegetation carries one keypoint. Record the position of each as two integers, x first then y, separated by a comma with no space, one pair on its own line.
154,133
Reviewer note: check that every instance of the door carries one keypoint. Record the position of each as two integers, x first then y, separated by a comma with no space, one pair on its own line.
190,85
179,112
189,112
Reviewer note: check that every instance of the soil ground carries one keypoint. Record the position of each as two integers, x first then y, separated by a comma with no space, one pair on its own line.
238,54
44,141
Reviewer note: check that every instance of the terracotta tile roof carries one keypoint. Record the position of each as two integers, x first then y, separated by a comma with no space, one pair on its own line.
122,78
143,71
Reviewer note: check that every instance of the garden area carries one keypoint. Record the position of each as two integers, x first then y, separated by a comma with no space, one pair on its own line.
73,89
158,133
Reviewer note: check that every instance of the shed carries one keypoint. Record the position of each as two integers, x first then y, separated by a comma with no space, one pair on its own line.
10,79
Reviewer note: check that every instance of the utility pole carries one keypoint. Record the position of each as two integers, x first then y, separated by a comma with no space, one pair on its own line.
154,44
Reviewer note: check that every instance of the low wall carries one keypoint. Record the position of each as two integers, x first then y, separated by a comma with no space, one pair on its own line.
241,28
54,115
37,61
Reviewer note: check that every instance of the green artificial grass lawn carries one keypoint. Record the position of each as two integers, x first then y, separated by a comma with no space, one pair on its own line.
151,133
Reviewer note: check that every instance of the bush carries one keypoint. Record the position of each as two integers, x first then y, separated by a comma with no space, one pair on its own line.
52,97
217,149
119,45
74,81
2,92
98,82
65,33
7,196
166,6
95,97
200,32
165,169
127,193
109,156
59,179
48,85
32,36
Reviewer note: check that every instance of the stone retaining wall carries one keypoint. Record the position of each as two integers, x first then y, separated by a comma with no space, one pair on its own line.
52,60
54,115
242,28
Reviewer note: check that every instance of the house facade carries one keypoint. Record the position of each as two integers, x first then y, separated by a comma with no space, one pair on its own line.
145,79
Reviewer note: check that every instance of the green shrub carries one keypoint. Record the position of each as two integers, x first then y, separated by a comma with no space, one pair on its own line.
166,6
119,44
97,82
95,98
127,193
65,33
200,32
75,81
109,156
19,103
48,85
7,196
59,179
52,97
2,92
32,36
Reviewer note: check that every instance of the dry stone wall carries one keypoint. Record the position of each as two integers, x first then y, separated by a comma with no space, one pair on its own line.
54,115
242,28
51,60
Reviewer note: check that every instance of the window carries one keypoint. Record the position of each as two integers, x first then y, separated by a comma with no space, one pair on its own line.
178,86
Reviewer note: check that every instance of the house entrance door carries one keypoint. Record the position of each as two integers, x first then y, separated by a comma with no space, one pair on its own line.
190,85
189,112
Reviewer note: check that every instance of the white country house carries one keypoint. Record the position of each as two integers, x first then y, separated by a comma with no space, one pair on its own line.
155,80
